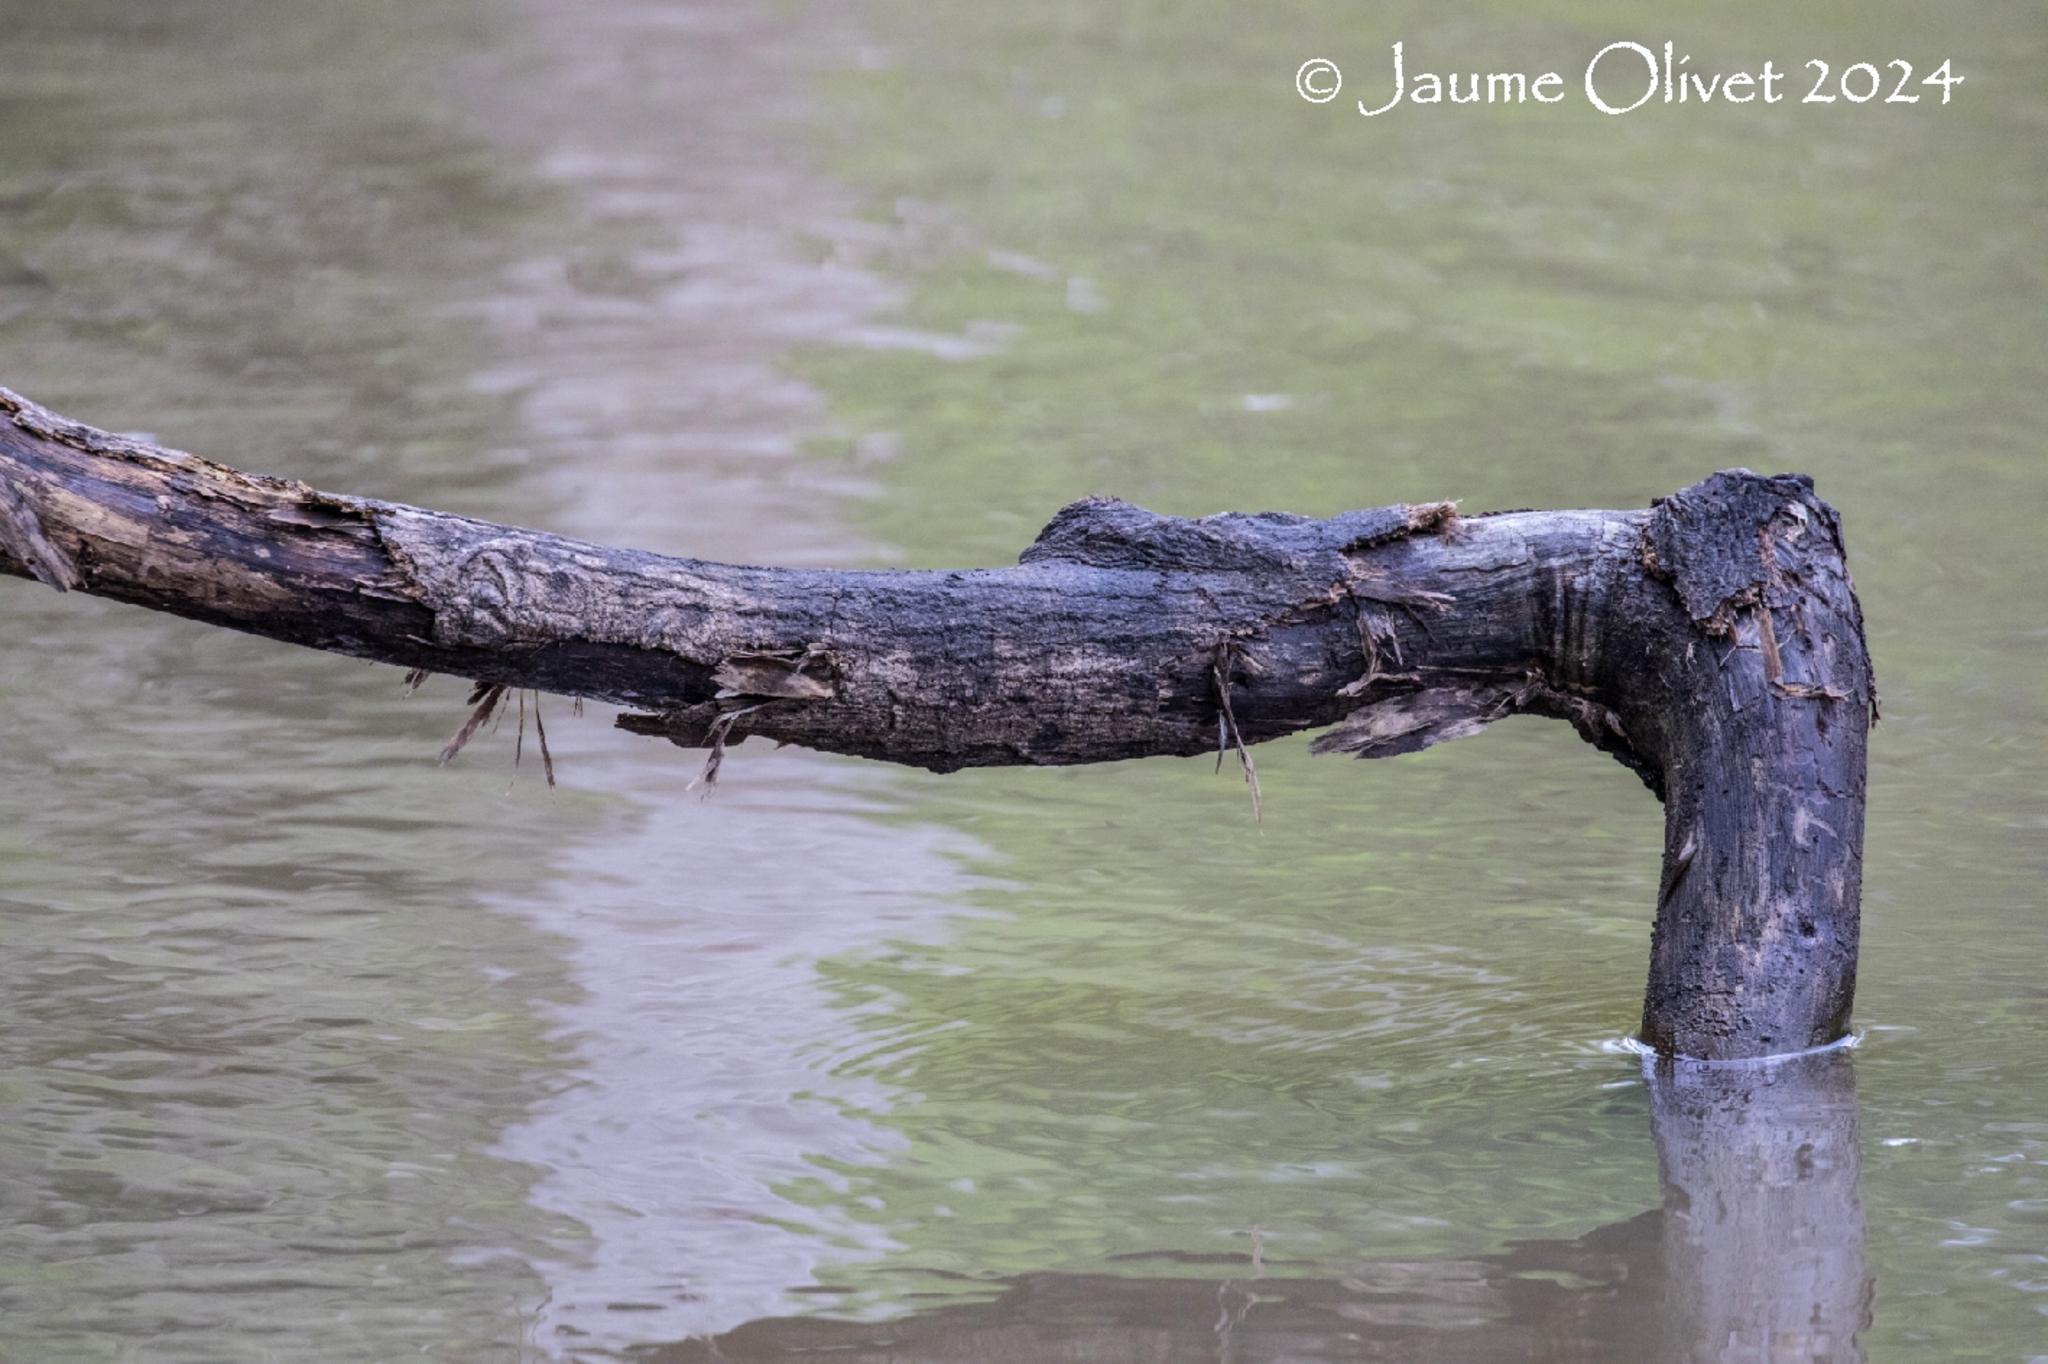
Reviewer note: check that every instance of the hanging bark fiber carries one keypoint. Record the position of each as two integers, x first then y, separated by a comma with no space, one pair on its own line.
1712,643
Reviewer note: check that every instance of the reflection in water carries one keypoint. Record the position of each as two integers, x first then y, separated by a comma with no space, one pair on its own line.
258,1027
642,349
271,1069
1763,1216
332,1054
1755,1257
705,1047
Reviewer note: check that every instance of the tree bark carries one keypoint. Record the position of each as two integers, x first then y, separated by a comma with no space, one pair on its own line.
1712,643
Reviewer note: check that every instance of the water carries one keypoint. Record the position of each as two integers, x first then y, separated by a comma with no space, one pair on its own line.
317,1051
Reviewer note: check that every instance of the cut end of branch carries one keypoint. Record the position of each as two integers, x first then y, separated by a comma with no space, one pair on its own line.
21,535
1704,540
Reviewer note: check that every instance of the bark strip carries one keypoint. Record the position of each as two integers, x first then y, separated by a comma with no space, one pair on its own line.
1713,644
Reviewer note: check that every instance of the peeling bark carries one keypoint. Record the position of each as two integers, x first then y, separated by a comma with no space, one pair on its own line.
1713,644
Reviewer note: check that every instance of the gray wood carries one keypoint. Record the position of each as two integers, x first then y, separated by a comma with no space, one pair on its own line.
1712,643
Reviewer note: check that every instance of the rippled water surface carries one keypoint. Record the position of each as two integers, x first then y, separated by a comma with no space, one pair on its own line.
313,1050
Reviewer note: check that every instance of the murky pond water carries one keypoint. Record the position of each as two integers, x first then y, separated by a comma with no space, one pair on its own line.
315,1051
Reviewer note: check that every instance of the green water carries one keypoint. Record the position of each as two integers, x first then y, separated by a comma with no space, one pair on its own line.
315,1051
1366,1025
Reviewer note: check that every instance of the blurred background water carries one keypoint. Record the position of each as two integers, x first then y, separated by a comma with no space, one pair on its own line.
316,1051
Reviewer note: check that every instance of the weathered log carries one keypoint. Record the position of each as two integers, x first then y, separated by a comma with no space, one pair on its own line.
1712,643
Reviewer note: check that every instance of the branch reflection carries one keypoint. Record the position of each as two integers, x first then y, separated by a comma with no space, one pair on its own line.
1763,1216
1755,1256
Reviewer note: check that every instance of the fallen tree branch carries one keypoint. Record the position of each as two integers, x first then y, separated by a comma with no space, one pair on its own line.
1713,644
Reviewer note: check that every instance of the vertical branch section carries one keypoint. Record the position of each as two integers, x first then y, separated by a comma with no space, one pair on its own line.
1762,698
1712,644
